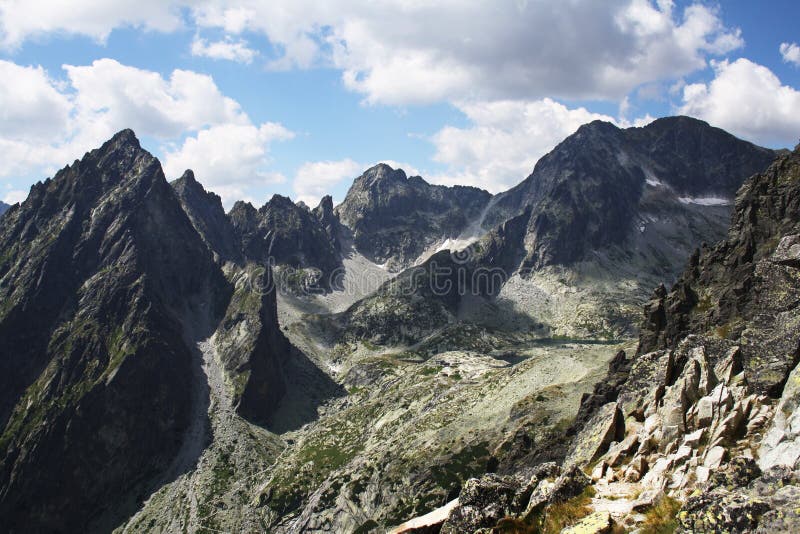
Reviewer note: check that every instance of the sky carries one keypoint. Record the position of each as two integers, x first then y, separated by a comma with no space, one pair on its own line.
299,97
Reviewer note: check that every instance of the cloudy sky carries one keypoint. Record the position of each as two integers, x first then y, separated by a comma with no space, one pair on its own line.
299,96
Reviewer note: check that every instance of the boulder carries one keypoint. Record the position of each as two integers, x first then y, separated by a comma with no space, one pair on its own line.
597,523
788,251
568,485
647,500
606,426
482,503
781,445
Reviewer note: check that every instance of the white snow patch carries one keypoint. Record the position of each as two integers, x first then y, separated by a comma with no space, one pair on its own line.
706,201
433,518
651,179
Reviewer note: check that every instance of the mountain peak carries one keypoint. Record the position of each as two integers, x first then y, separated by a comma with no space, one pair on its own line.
125,137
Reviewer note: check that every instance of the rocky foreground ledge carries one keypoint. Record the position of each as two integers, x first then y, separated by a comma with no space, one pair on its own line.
701,434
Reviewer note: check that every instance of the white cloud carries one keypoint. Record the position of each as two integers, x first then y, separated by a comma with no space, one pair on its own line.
110,96
790,53
481,49
401,52
748,100
229,158
228,48
25,19
316,179
47,124
505,141
30,106
12,197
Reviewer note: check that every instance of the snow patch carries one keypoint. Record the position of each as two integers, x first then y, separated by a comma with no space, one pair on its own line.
706,201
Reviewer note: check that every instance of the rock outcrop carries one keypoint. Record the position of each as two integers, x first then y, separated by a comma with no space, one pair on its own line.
302,247
596,189
204,209
394,218
3,207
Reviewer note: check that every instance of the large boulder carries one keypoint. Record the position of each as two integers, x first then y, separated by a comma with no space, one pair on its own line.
592,442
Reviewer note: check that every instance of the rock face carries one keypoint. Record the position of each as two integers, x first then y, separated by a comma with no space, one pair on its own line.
293,237
204,209
109,278
744,288
394,218
3,207
99,273
596,188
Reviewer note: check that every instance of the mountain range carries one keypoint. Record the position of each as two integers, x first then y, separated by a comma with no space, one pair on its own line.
167,366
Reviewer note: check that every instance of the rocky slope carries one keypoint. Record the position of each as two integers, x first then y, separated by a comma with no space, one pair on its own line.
100,272
697,431
604,217
304,244
394,218
586,193
3,207
106,290
204,209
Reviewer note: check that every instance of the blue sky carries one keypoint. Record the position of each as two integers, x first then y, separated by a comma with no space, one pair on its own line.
299,97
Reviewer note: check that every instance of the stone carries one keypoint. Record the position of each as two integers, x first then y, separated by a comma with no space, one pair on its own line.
599,471
729,366
693,439
647,500
635,469
570,484
702,473
482,503
788,251
720,511
617,452
781,444
714,457
592,441
596,523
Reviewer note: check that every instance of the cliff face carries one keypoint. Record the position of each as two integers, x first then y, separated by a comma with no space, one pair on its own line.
99,269
303,244
394,218
603,185
743,289
107,287
204,209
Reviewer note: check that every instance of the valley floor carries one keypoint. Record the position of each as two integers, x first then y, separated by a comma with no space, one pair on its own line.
399,442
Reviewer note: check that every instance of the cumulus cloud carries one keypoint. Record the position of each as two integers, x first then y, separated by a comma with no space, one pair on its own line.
109,95
315,179
504,142
24,19
748,100
230,49
14,196
47,124
790,53
430,51
453,50
229,158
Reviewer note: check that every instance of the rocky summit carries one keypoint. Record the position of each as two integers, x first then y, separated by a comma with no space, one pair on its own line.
572,355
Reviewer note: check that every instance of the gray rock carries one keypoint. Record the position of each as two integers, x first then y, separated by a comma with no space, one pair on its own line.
592,442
